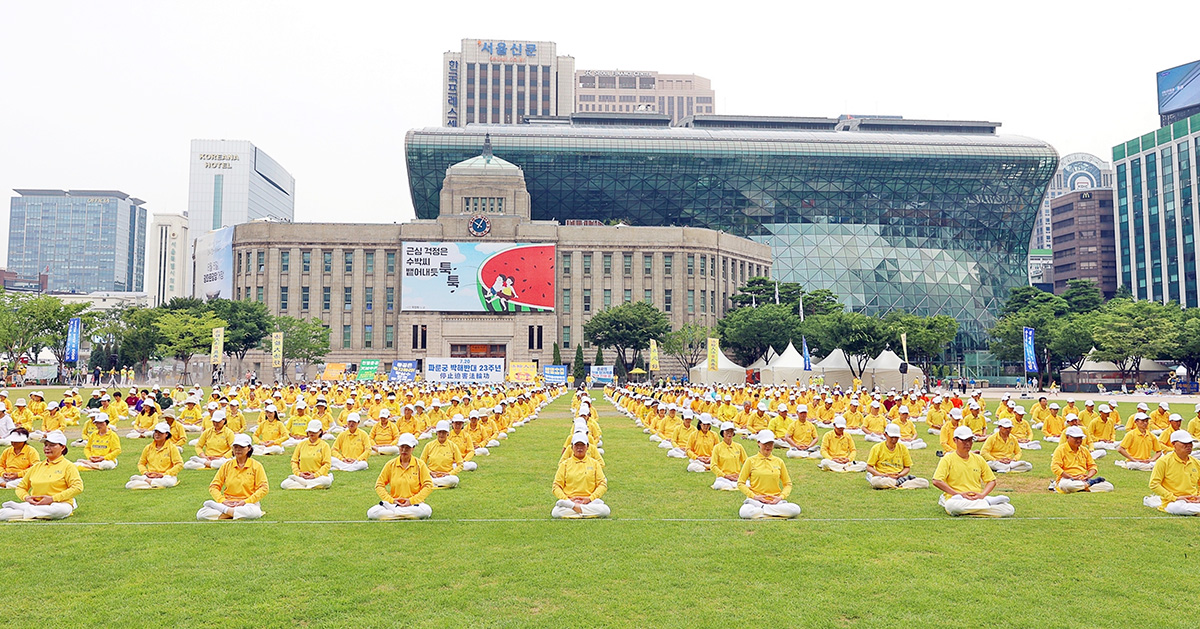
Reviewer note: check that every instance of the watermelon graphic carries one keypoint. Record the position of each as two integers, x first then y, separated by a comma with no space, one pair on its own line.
519,279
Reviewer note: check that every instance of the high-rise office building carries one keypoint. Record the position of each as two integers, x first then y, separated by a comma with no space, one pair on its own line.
627,91
169,260
1084,247
1156,214
232,182
84,240
1076,172
503,80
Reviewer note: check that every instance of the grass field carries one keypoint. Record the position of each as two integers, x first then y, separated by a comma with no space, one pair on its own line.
673,554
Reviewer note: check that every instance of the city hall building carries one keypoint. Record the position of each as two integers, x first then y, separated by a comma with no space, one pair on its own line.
482,278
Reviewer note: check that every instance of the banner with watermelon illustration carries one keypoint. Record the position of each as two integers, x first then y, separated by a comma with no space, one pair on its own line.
477,277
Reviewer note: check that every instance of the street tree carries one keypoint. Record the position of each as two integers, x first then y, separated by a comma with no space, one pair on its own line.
185,334
627,329
688,344
749,332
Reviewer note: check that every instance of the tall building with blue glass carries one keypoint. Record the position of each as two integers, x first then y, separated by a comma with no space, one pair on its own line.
930,217
85,240
1156,213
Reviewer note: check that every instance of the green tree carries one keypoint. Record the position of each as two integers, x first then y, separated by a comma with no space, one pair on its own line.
1123,292
627,329
248,322
1187,346
577,365
1128,331
619,372
1026,297
17,335
185,334
1083,296
749,332
136,329
927,337
599,362
1071,340
304,340
557,359
687,344
55,317
760,291
861,336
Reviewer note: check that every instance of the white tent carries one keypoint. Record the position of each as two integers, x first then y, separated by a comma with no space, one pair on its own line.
786,369
762,363
728,372
835,368
884,372
1146,366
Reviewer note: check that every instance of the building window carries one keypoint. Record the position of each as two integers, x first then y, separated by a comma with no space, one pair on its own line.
369,261
667,260
284,261
346,336
627,264
587,300
389,336
305,261
648,296
369,298
325,298
347,298
304,298
667,300
390,295
419,336
566,263
368,335
703,302
566,336
391,262
328,260
258,294
691,265
628,295
535,337
607,264
483,205
691,294
587,264
238,266
349,261
647,263
283,297
607,297
262,261
566,301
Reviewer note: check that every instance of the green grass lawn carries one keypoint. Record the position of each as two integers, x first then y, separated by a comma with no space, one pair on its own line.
674,553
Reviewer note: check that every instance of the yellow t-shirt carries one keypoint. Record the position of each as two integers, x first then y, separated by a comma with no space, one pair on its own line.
889,461
963,475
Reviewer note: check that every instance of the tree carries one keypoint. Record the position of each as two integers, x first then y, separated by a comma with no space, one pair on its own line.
1187,346
55,316
191,304
185,334
687,344
861,336
136,329
750,332
1123,292
17,334
599,362
248,323
1025,297
627,329
577,365
1128,331
927,337
1083,296
304,340
557,359
619,372
1071,340
760,291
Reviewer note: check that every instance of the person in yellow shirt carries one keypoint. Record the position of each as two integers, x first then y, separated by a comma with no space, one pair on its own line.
838,450
765,481
191,415
1141,408
403,485
966,481
234,419
442,457
1175,479
780,423
1174,422
801,437
908,430
953,421
889,464
757,421
480,434
385,435
461,438
1074,468
579,484
159,464
311,461
1102,429
16,459
238,488
22,416
873,424
975,420
103,447
1022,431
352,448
270,433
1140,447
1193,426
1159,418
727,459
53,419
1002,451
144,421
683,432
214,447
700,445
48,490
936,416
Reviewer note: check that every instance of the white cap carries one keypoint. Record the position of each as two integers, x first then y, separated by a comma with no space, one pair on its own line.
1071,417
579,437
1070,400
353,417
51,406
17,437
20,401
458,419
242,440
442,426
800,408
99,417
1164,406
973,404
106,398
218,416
383,412
1090,403
56,436
782,407
473,414
892,430
162,427
315,425
301,405
1020,410
962,432
1004,423
705,418
1105,409
1054,405
1175,417
212,406
875,404
1074,431
853,401
688,414
1197,409
762,406
956,413
937,399
765,436
407,440
839,422
1140,416
727,426
903,409
1182,436
1142,406
234,401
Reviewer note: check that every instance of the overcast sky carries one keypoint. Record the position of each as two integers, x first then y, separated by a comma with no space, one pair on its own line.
108,94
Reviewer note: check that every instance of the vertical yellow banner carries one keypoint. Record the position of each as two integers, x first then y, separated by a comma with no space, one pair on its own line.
218,346
277,349
653,355
713,350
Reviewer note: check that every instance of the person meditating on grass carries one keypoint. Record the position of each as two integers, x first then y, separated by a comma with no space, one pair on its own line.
889,463
966,481
700,445
16,459
48,490
579,483
403,485
311,461
103,447
1140,447
385,435
1073,467
727,459
443,458
1002,451
838,450
1175,479
352,447
238,487
214,447
765,481
159,464
1022,431
801,437
270,433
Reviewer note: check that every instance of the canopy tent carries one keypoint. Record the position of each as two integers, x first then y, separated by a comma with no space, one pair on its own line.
835,369
763,362
884,372
728,372
1103,366
787,368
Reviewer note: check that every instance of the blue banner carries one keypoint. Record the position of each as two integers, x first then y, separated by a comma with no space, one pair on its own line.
1030,353
555,374
807,356
403,371
74,328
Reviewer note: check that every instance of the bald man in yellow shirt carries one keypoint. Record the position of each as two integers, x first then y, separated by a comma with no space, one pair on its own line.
1175,479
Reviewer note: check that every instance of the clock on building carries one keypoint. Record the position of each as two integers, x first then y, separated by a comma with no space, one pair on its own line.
479,226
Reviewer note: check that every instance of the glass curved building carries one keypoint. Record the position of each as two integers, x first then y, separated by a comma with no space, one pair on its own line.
929,217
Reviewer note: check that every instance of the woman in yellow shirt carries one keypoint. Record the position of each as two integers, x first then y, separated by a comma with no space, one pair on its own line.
310,461
49,488
352,448
727,459
700,445
765,481
270,433
384,435
144,422
103,447
579,484
403,485
16,460
53,419
238,487
443,458
159,464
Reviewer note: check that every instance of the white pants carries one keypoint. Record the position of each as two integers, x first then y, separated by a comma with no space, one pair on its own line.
833,466
133,434
392,450
593,509
813,452
676,453
481,451
1037,426
197,463
384,511
1052,439
448,481
1157,433
214,510
261,450
1134,465
1178,507
992,506
491,444
297,482
1070,486
290,441
1106,445
193,428
470,466
193,442
25,511
655,438
935,431
887,482
141,482
855,431
329,436
1015,466
696,466
915,444
873,438
1030,445
1099,453
342,466
724,484
12,484
753,509
85,464
502,435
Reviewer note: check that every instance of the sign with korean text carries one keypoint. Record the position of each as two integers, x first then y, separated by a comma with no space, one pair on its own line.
367,369
477,370
522,371
452,93
333,371
508,50
555,374
1030,352
218,345
714,351
477,277
602,374
403,371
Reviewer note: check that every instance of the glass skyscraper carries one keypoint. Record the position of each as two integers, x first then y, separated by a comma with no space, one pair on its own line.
929,217
85,240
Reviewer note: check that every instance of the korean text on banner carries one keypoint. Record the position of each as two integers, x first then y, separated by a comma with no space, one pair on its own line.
602,374
218,345
522,371
1030,352
74,329
477,370
714,349
653,355
367,369
482,276
277,350
555,374
403,371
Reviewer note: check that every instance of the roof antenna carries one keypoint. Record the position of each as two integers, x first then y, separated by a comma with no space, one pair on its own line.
487,145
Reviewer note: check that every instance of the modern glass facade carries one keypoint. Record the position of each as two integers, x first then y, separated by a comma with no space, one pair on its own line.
85,240
1156,213
930,223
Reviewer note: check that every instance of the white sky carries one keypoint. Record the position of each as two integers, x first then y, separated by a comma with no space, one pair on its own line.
108,95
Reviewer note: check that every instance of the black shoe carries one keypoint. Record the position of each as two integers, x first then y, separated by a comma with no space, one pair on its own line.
939,454
1098,479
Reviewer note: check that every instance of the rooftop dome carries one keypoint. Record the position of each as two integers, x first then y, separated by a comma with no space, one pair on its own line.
485,164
